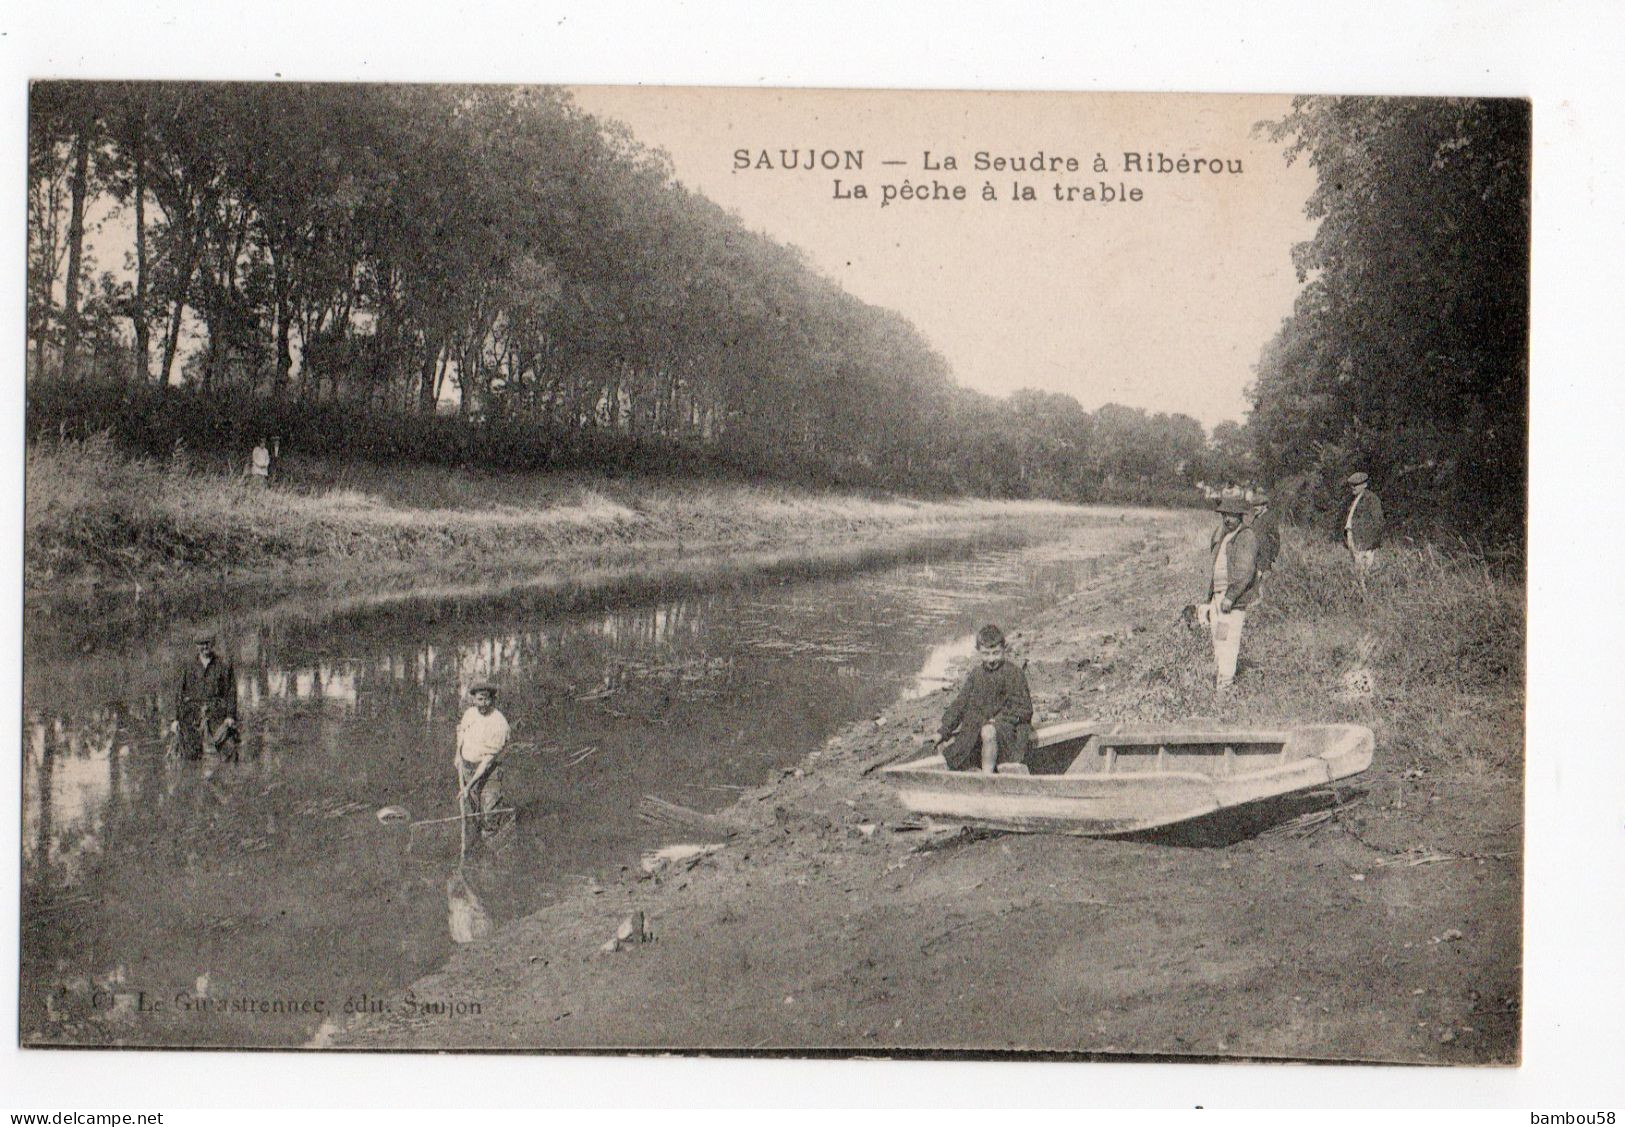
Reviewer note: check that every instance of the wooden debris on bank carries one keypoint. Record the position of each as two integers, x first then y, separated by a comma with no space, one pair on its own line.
947,836
658,811
671,856
894,753
1411,860
580,755
634,929
1305,824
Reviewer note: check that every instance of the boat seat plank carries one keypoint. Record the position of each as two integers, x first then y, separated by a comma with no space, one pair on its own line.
1186,736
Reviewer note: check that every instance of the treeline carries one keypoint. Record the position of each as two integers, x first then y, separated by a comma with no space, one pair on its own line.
316,255
1406,354
1064,453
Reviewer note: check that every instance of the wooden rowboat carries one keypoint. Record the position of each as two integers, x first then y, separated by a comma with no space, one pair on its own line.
1093,779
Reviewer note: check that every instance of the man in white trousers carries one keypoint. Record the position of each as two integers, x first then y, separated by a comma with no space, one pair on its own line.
1232,588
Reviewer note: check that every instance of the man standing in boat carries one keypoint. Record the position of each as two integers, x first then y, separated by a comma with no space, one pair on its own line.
1362,526
482,736
1233,587
990,721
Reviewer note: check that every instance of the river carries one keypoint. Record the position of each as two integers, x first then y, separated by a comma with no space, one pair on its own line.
245,903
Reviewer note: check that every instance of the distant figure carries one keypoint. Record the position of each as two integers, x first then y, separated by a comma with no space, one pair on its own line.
1266,528
1232,588
276,457
482,737
258,470
1362,526
991,719
206,704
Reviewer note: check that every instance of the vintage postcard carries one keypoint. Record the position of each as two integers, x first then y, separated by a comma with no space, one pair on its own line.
771,571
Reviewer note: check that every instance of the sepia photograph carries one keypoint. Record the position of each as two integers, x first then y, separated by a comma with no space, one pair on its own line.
775,571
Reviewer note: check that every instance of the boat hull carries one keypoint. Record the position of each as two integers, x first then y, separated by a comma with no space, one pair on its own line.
1127,780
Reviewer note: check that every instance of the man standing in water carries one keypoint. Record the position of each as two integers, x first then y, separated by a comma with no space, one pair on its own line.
991,718
206,703
1362,526
482,736
1233,587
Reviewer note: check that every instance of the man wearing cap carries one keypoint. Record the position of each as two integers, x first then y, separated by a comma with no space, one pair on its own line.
482,735
1362,526
1232,588
206,702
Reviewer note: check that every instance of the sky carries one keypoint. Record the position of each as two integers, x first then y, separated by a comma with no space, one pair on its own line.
1164,303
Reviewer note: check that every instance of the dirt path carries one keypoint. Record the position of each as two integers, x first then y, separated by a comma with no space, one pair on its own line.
826,924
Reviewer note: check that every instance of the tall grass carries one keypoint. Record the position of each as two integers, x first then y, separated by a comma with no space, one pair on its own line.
1430,654
1426,618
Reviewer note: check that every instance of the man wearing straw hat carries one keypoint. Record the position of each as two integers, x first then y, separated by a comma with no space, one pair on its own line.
482,735
1232,588
1362,526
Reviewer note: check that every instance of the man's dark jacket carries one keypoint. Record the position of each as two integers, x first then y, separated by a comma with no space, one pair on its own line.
1266,528
989,696
210,688
1365,531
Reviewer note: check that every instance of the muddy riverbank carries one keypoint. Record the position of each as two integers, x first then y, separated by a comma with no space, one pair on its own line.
1387,931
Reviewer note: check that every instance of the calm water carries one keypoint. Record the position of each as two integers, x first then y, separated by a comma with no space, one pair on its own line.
157,897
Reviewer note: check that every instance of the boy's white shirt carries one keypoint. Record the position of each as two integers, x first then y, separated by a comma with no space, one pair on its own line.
481,737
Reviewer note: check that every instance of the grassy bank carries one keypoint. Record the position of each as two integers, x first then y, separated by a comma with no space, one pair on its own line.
1432,654
96,515
119,546
1385,927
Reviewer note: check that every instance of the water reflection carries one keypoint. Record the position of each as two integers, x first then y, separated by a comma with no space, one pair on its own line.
941,664
274,875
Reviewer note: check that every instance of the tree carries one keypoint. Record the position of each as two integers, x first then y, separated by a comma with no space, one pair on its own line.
63,132
127,125
1407,350
374,249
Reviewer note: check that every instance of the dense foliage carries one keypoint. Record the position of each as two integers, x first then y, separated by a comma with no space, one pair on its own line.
343,260
1407,352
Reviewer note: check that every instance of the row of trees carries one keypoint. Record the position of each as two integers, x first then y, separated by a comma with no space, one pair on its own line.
394,249
1406,353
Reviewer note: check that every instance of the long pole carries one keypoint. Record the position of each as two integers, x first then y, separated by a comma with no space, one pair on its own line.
459,817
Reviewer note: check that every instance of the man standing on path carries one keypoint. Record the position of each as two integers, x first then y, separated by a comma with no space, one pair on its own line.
1362,527
1232,588
206,703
